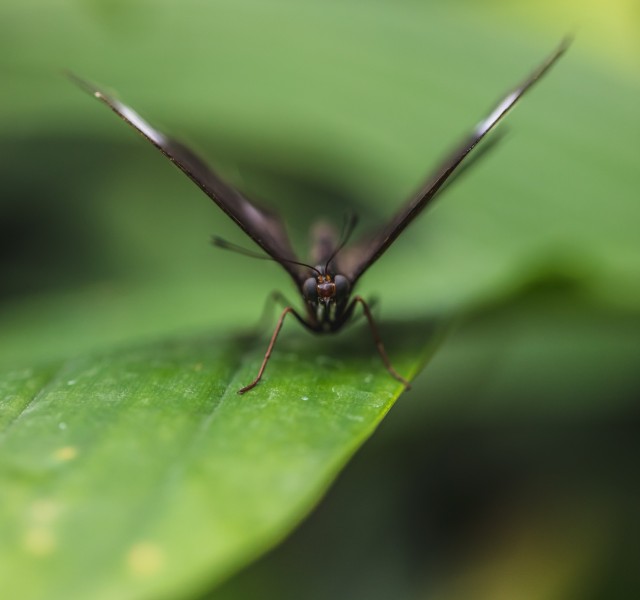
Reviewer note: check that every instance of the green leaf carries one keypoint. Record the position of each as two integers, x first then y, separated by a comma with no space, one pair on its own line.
107,245
142,471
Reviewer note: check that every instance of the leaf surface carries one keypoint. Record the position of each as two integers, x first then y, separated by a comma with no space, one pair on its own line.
141,472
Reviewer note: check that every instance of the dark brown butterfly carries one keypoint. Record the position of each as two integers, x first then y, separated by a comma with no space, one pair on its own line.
326,287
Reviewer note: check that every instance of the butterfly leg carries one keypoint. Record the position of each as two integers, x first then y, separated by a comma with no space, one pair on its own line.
379,345
275,298
272,343
372,303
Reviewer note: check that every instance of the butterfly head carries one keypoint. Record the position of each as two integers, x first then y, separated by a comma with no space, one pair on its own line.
325,288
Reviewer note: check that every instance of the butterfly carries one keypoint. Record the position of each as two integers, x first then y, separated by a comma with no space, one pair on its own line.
327,284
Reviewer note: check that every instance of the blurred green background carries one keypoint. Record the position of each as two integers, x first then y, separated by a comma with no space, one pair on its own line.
511,470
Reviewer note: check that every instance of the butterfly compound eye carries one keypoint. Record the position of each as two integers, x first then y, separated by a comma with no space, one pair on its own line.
342,286
310,290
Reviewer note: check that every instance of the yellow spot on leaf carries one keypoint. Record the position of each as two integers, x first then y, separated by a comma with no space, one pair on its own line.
44,510
145,559
66,453
39,541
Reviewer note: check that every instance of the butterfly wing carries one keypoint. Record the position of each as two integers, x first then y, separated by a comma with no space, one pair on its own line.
264,227
354,261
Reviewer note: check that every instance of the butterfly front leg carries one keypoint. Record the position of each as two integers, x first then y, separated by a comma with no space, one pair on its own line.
272,342
376,337
274,299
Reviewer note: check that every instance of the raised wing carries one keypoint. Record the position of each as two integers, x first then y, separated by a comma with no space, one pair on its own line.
354,261
265,228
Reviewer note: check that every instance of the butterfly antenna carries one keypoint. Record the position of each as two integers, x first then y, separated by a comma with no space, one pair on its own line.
225,245
350,222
